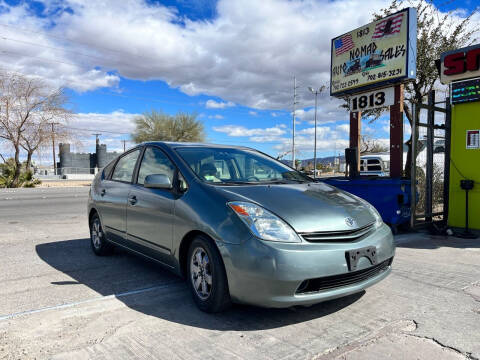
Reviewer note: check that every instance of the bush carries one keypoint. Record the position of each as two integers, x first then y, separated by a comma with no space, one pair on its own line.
7,172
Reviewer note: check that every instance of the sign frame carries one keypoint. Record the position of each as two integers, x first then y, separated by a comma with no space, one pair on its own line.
465,73
410,57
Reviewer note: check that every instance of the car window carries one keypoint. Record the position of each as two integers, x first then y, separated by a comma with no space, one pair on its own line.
155,162
236,166
125,166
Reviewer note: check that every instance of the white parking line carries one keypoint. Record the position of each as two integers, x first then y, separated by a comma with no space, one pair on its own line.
100,298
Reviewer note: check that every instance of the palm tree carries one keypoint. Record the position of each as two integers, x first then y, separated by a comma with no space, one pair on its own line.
157,126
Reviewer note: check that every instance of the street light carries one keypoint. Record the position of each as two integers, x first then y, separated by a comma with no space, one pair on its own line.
316,92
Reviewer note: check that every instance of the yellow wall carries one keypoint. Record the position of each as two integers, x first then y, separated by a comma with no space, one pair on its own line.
464,117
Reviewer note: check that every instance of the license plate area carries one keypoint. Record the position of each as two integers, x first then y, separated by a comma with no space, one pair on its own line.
353,256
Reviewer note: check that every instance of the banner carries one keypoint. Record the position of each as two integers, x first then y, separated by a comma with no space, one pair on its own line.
382,52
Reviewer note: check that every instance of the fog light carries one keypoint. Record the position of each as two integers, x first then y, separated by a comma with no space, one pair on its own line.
303,286
399,212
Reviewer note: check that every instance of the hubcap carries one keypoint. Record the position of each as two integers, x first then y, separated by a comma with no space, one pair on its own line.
201,273
96,233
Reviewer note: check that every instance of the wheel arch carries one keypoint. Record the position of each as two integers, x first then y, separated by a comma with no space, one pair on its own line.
185,245
92,212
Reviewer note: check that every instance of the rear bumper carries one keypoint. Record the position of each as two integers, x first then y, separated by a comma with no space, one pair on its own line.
269,274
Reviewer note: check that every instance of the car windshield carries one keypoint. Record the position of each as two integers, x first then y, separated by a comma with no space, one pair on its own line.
229,166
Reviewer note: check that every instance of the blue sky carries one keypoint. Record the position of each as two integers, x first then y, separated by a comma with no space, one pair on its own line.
231,62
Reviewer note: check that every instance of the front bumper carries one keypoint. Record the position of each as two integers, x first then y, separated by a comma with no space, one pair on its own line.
269,274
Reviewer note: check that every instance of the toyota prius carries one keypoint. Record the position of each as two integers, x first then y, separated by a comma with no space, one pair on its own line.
238,225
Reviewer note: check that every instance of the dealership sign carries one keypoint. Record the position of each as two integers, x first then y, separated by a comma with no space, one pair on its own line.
382,52
460,64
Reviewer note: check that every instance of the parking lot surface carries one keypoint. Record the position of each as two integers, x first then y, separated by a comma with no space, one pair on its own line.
58,300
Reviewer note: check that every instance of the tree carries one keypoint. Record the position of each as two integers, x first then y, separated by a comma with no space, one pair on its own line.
157,126
370,145
436,33
27,106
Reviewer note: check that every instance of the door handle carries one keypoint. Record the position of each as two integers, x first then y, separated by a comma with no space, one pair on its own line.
102,193
132,200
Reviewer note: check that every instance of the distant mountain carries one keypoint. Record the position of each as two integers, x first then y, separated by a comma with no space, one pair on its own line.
324,161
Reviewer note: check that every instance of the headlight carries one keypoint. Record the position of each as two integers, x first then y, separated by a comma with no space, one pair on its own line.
376,214
263,224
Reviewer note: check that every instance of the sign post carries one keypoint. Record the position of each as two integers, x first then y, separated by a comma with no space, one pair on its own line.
396,133
355,132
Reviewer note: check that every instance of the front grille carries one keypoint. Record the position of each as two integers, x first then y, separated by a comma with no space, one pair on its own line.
336,281
338,236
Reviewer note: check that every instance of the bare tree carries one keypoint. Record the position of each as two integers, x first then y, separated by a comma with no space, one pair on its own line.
369,145
27,105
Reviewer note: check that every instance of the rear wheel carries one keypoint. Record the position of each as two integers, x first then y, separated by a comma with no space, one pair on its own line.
206,276
99,243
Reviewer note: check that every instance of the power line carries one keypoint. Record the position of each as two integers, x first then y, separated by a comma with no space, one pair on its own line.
51,47
95,130
60,38
73,83
37,57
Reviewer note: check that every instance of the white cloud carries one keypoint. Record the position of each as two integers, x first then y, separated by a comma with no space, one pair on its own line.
252,113
212,104
237,131
114,123
216,116
345,128
246,55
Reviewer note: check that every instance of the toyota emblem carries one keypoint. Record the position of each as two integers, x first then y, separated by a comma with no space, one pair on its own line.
349,221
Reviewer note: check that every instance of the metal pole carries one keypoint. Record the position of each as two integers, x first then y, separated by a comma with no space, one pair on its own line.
413,171
53,150
293,125
315,141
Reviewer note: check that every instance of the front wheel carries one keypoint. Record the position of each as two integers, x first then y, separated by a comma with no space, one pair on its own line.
206,276
99,243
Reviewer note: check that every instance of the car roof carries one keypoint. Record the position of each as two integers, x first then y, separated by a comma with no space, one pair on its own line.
173,145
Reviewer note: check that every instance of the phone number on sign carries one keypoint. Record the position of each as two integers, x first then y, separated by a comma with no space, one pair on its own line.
381,75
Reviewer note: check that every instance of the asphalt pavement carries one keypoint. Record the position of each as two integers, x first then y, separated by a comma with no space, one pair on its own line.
58,300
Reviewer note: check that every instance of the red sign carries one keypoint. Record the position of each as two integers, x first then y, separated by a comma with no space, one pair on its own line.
460,64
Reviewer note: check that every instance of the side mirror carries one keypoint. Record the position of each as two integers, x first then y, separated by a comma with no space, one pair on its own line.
157,181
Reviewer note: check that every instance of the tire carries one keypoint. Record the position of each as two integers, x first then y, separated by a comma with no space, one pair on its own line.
98,241
204,262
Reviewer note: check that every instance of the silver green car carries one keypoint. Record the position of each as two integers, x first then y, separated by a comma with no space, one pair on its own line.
239,225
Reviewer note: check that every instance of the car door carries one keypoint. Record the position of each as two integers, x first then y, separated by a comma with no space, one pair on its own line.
150,211
114,194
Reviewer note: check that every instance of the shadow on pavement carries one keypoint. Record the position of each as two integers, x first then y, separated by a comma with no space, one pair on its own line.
423,240
123,272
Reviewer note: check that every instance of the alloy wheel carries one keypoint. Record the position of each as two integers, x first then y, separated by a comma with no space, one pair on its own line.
96,233
201,273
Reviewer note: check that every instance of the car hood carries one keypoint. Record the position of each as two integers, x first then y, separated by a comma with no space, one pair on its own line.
306,207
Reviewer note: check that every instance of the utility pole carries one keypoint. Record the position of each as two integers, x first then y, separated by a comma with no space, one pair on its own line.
124,141
295,87
316,92
53,150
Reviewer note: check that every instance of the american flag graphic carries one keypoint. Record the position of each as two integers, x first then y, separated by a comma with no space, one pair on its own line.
343,44
388,26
